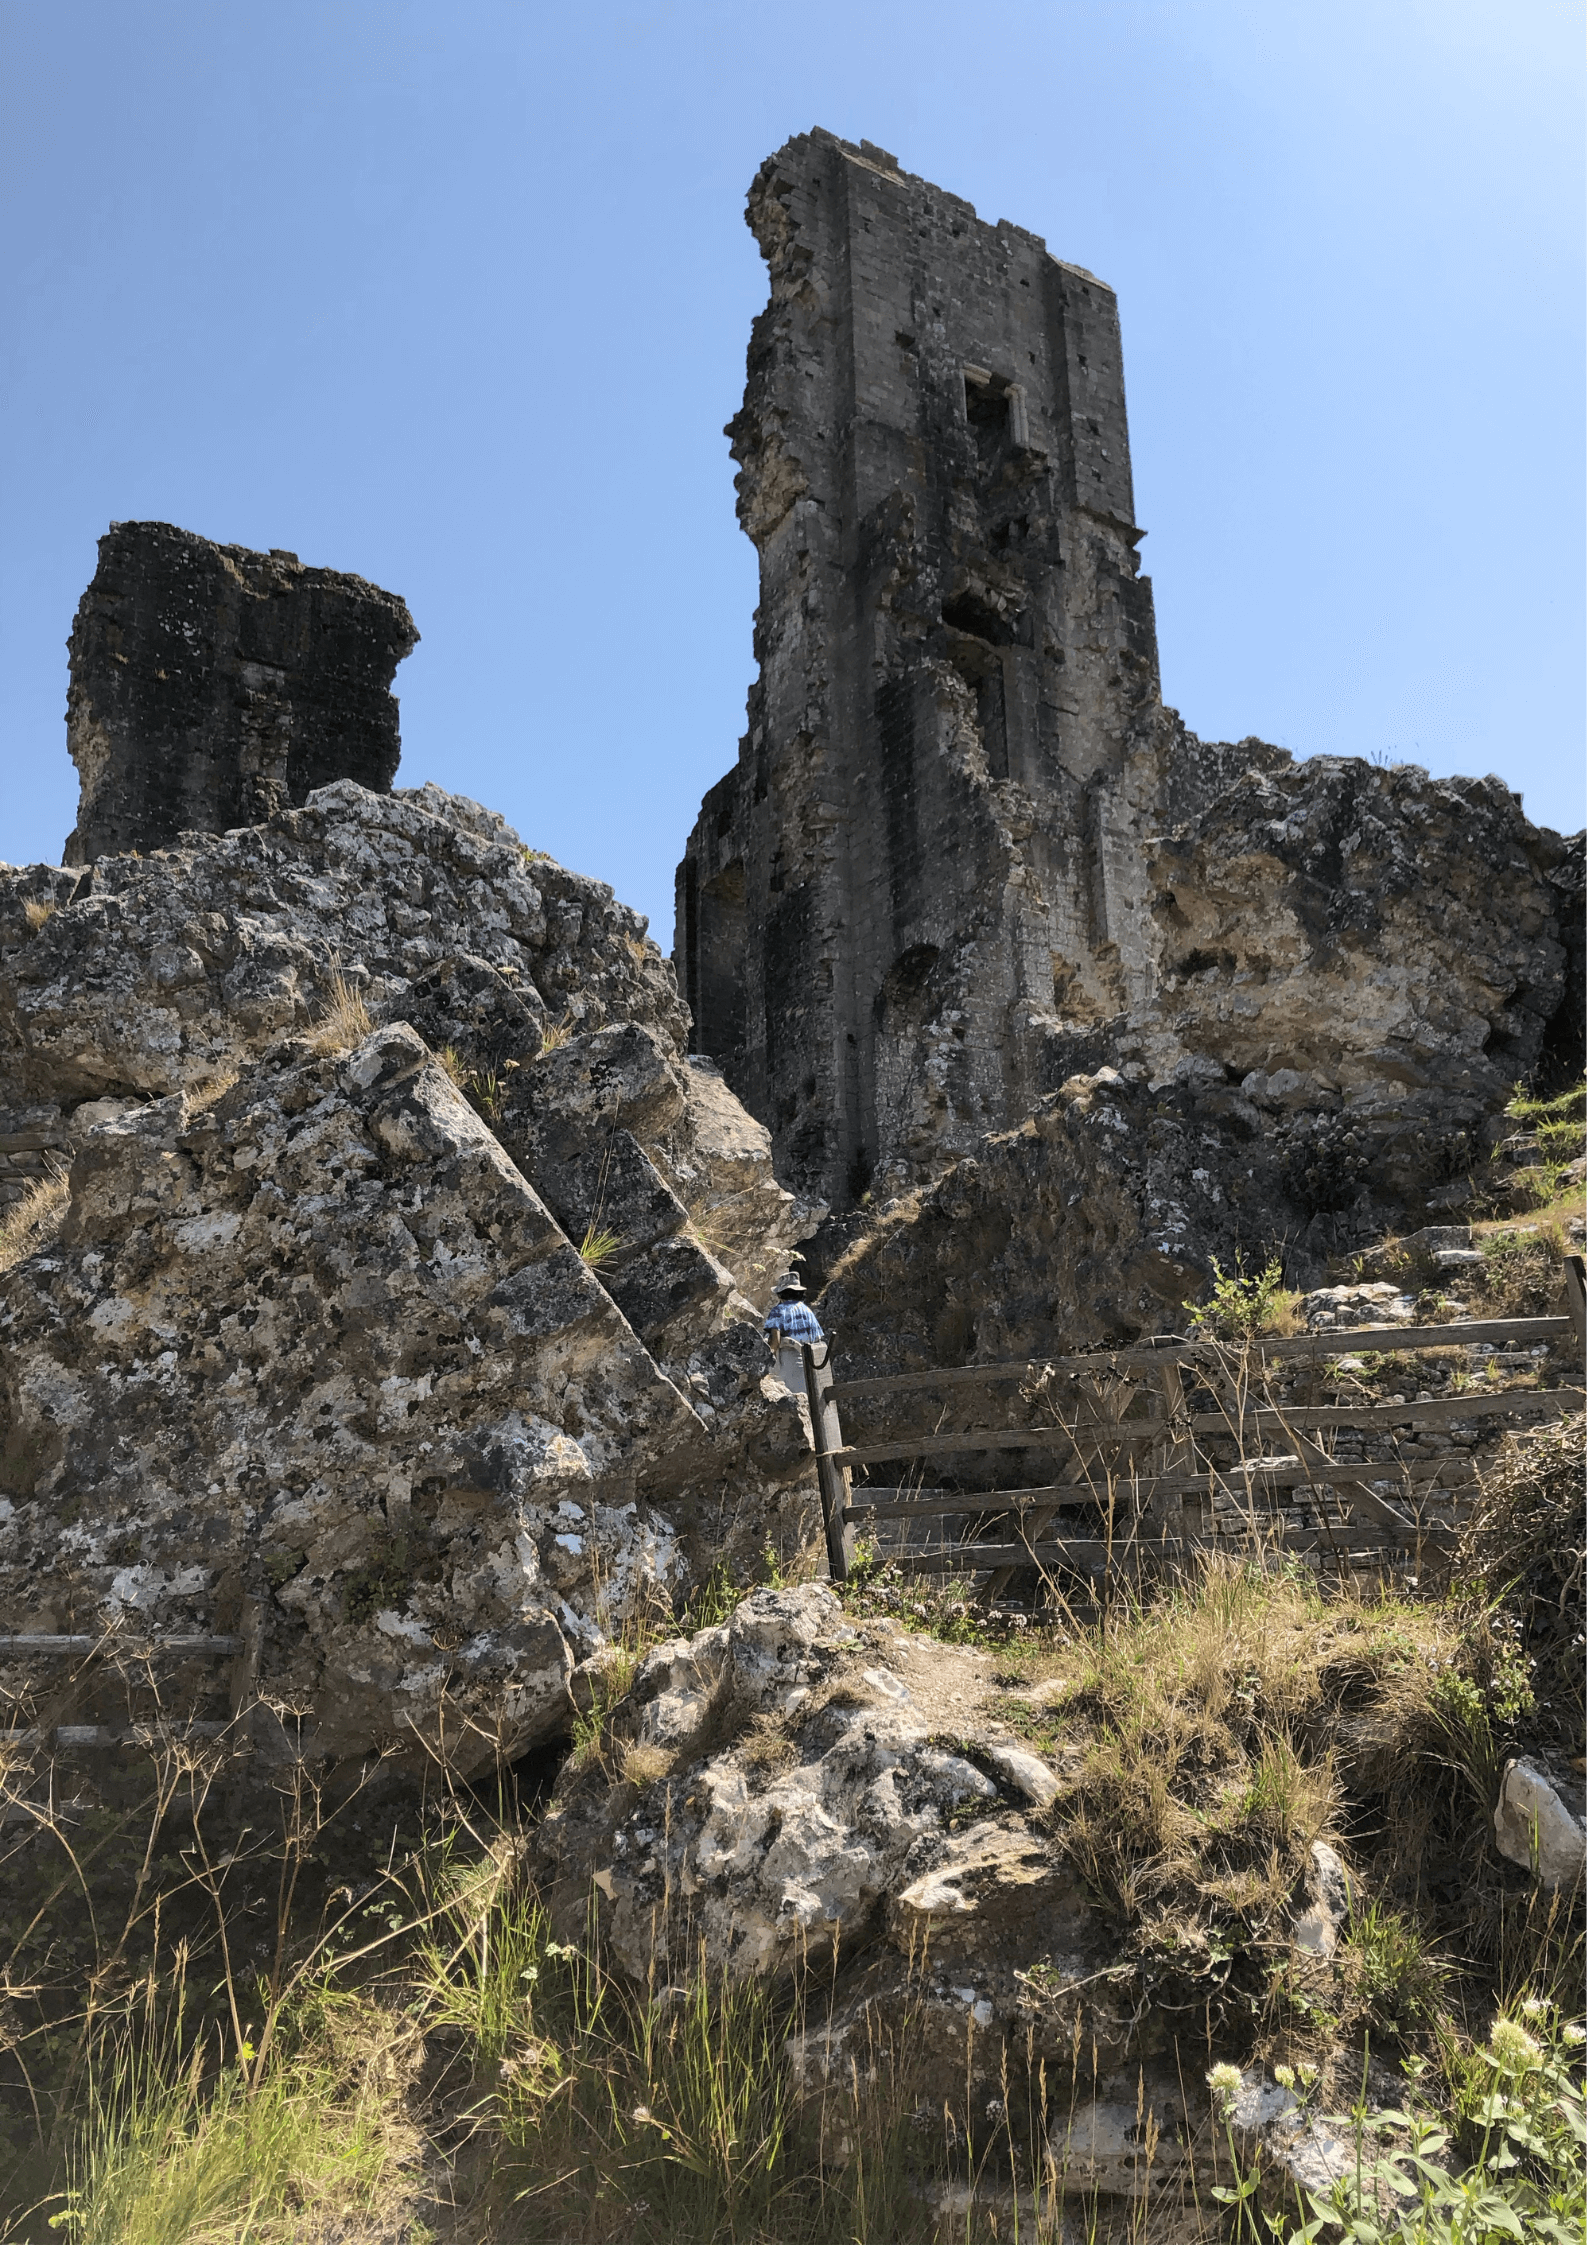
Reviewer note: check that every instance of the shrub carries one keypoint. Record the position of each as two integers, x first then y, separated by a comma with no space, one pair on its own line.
1521,1271
1242,1306
1525,1543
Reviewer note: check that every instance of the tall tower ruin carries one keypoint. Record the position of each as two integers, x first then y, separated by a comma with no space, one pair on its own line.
918,882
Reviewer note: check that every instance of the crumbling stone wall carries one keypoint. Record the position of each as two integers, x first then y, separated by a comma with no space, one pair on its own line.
966,851
211,687
955,652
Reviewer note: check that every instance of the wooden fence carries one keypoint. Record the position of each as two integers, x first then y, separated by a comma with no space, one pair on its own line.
1159,1475
130,1665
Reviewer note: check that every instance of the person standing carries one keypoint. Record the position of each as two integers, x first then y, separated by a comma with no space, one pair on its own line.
791,1325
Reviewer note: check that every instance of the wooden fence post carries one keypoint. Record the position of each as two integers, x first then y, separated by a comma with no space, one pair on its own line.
1576,1296
1177,1454
832,1479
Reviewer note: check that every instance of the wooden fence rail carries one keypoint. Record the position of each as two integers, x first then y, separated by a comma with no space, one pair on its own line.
1161,1491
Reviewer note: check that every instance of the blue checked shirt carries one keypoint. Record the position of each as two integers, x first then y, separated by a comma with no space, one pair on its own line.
795,1321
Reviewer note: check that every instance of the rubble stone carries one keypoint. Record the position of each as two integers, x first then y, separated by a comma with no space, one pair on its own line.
1535,1825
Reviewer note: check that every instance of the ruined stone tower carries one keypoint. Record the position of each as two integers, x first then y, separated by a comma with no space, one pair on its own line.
212,686
918,880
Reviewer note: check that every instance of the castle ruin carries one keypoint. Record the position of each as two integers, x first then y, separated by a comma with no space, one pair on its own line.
922,876
212,686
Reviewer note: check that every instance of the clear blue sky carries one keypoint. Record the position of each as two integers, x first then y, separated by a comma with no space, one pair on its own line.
456,295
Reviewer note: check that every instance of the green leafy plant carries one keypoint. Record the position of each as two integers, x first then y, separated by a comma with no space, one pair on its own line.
714,1599
1390,1970
1244,1306
1518,2174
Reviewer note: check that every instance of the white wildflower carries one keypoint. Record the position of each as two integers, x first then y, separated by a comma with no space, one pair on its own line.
1224,2082
1511,2048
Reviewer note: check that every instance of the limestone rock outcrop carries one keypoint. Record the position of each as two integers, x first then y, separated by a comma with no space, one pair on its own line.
1536,1825
1096,1220
151,972
799,1794
377,1299
211,686
1334,930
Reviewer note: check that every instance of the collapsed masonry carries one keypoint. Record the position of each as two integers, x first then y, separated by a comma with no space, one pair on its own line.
339,1103
966,852
211,687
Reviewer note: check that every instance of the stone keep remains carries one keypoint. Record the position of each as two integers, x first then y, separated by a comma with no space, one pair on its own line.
956,654
966,851
212,687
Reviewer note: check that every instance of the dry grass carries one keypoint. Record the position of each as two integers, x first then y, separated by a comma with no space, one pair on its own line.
423,2056
212,1090
598,1246
36,912
1520,1274
1207,1768
1525,1542
555,1033
345,1020
34,1221
645,1765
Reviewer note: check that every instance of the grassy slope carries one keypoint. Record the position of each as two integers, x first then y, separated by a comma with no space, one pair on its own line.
422,2059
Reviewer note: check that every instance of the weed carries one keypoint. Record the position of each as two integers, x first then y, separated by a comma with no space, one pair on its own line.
1390,1971
1524,1544
599,1246
1243,1306
482,1088
213,1089
36,912
555,1034
715,1599
1516,2169
937,1605
167,2151
617,1672
644,1765
1520,1270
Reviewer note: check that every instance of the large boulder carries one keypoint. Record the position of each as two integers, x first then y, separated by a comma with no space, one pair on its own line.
1362,932
377,1305
322,1335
